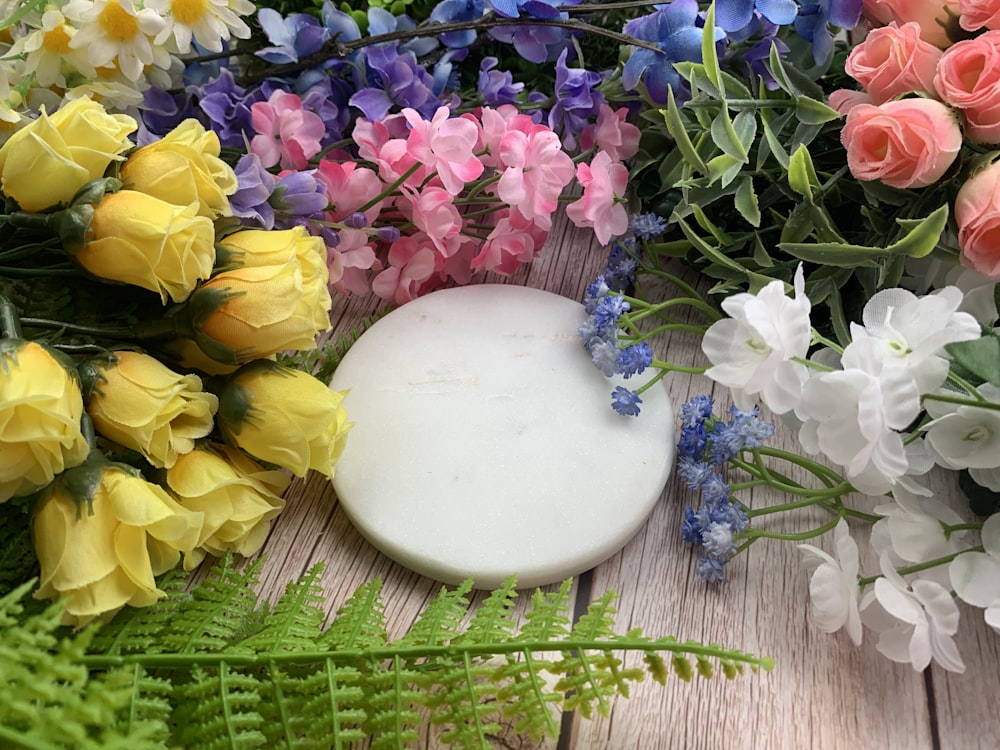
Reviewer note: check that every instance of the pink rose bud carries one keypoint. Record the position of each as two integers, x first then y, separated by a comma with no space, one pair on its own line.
843,100
968,77
894,60
905,143
979,14
933,16
977,213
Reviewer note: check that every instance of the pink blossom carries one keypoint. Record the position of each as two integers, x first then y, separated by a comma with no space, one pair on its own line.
512,243
843,100
350,261
411,266
535,169
433,211
612,134
446,144
601,207
384,143
493,124
286,133
349,187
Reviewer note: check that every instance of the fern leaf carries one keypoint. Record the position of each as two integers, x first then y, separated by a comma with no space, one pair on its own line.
217,612
217,710
136,629
547,618
338,696
296,621
493,621
466,701
441,619
392,716
360,623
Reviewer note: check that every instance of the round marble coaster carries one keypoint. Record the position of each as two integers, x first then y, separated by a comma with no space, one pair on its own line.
485,444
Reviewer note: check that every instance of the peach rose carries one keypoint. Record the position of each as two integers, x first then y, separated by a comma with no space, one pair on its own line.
905,143
977,213
979,14
933,16
968,77
894,60
844,100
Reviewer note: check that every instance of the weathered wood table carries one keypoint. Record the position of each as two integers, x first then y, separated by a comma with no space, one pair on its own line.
823,693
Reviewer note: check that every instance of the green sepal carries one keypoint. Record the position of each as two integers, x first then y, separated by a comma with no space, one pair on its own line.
81,482
236,405
73,222
92,373
189,318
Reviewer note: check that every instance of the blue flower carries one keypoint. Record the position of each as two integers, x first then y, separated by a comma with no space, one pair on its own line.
715,491
604,355
692,471
674,30
625,402
690,527
291,38
496,86
746,430
711,569
814,21
458,10
597,289
696,410
717,539
619,271
733,15
634,358
533,42
395,80
609,310
647,226
692,441
381,21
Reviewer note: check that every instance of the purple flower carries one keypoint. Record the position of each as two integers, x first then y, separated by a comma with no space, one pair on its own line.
326,96
674,30
597,289
458,10
254,187
577,100
534,43
381,21
227,107
625,402
291,38
162,111
633,359
395,80
814,21
647,226
696,410
297,196
711,570
733,15
496,86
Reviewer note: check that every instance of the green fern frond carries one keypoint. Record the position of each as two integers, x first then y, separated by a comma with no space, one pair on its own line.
492,620
296,621
441,620
217,710
336,706
360,622
547,619
391,701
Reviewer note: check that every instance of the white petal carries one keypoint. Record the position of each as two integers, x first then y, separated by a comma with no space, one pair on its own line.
938,605
975,576
990,535
898,603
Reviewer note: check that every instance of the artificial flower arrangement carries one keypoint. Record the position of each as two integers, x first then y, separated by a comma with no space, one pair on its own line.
360,149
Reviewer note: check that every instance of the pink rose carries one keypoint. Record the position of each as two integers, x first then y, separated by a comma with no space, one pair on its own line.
979,14
977,213
905,143
894,60
843,100
968,78
932,15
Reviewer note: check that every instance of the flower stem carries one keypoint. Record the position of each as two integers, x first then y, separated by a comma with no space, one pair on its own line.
800,536
962,401
10,324
916,568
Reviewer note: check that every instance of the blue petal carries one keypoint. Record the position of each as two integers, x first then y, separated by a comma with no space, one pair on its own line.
506,8
845,13
778,11
733,15
380,21
373,103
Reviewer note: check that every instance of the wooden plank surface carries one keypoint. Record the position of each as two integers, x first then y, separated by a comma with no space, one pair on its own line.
823,693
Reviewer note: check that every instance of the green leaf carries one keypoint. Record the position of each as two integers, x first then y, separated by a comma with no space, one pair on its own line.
774,146
709,56
746,201
724,168
726,138
802,174
813,112
676,128
981,357
709,251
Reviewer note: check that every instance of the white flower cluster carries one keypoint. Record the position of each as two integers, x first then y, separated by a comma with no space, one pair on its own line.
885,409
110,50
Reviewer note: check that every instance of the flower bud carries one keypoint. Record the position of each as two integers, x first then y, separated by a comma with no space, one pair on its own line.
137,239
48,160
182,168
102,533
238,497
285,417
140,403
40,410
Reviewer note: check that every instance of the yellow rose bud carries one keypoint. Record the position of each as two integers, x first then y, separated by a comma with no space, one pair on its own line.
252,312
40,411
140,403
100,551
238,496
137,239
284,416
47,161
183,167
252,248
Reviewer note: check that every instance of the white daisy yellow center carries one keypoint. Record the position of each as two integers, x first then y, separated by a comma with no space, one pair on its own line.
189,12
118,24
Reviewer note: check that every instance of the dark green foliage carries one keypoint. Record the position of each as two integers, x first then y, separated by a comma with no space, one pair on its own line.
214,668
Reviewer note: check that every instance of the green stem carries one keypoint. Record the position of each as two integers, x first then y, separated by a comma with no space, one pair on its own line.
962,401
669,367
918,567
813,498
800,536
121,333
812,365
389,190
10,324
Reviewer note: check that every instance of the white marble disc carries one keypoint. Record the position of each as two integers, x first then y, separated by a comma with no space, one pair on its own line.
485,443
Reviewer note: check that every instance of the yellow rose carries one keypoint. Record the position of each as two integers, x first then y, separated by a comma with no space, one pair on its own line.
255,311
101,551
284,416
253,248
140,403
137,239
48,160
183,167
238,496
40,410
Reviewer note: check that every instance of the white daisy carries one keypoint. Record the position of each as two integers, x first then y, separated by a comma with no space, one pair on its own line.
208,21
116,32
48,53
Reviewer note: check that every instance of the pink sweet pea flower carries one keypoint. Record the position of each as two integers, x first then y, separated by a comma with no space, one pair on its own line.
433,211
535,170
349,187
513,242
446,144
286,133
612,134
411,266
350,261
602,205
